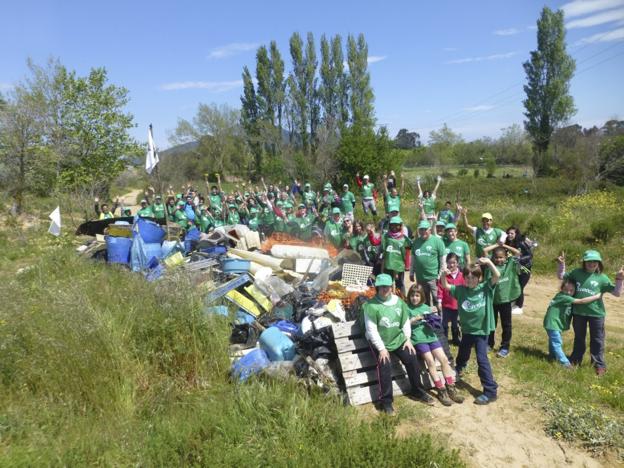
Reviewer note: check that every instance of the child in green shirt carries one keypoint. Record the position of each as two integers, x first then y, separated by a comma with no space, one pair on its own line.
558,317
428,346
474,301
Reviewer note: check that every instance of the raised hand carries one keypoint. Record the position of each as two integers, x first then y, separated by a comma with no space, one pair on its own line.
620,274
561,258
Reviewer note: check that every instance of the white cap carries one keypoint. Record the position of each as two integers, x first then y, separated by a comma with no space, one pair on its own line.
366,177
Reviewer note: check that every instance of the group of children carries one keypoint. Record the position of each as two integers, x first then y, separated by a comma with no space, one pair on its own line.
471,297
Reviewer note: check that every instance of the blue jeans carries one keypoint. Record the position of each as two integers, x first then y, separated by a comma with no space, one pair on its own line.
480,342
555,347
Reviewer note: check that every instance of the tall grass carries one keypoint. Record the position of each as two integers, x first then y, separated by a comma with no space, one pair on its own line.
99,367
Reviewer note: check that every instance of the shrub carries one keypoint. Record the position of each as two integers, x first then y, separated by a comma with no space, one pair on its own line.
462,172
602,230
475,173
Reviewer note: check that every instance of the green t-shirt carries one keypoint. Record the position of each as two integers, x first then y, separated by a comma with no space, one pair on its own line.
304,226
484,239
394,252
146,212
508,286
267,216
421,331
393,203
216,200
429,204
356,242
589,284
159,210
252,222
367,190
476,313
426,257
390,316
459,248
347,201
180,218
233,217
309,197
559,313
333,232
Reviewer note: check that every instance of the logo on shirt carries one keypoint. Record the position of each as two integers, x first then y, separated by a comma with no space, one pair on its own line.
594,284
473,304
386,323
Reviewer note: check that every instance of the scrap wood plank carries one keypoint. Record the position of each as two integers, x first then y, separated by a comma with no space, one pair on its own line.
346,329
360,395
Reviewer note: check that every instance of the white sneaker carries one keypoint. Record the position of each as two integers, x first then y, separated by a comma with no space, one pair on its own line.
517,311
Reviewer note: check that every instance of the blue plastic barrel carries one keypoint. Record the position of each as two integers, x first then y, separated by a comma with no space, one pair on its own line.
118,249
150,231
277,345
152,250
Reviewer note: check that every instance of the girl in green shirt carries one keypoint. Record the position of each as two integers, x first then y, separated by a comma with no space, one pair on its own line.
428,346
394,245
590,280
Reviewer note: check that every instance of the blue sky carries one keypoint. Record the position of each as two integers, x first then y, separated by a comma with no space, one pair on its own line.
431,62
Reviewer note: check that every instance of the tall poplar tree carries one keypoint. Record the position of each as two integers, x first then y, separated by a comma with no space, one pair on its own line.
342,88
360,92
299,90
548,103
249,117
312,100
278,84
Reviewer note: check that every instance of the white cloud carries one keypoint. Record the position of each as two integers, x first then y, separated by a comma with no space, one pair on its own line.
482,59
480,108
610,36
375,58
6,86
595,20
584,7
214,86
232,49
506,32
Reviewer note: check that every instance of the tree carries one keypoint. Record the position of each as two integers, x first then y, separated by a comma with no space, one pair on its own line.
312,97
406,139
298,86
548,103
442,144
612,160
249,117
360,91
278,84
221,139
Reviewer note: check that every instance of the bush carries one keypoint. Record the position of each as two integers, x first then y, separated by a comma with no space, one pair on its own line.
462,172
475,173
602,230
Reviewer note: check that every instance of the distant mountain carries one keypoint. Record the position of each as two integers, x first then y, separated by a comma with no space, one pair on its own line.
180,149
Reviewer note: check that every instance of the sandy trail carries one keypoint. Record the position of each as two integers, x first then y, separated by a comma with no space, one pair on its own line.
510,432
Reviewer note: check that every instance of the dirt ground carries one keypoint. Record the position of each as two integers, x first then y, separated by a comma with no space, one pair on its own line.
510,432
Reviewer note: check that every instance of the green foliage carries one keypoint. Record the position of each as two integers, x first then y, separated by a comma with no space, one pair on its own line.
602,230
101,368
360,92
475,173
596,431
611,165
548,103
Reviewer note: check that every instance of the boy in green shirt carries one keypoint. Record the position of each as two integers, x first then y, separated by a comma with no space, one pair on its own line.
455,245
487,234
476,315
394,245
428,261
333,229
146,210
347,202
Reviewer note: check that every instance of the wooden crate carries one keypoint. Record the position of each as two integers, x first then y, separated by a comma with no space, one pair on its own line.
359,367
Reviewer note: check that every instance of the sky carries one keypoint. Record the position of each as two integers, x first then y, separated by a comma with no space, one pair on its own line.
430,63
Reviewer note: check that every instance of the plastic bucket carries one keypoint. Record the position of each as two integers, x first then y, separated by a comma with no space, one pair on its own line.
152,250
118,249
277,345
250,364
150,231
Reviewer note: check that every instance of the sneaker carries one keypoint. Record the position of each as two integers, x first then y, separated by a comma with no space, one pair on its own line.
600,371
517,311
568,366
489,349
459,373
387,409
443,396
503,353
453,394
423,396
484,400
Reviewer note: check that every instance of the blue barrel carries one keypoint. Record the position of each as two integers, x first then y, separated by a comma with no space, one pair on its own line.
118,249
152,250
150,231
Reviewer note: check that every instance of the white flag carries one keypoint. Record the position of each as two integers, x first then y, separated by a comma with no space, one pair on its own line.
152,156
55,225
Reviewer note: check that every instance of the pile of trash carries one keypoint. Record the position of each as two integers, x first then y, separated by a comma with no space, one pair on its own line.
285,293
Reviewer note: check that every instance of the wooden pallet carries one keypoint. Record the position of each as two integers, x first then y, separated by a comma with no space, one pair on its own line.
359,367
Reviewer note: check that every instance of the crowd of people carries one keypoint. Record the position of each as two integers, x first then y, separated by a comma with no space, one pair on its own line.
450,290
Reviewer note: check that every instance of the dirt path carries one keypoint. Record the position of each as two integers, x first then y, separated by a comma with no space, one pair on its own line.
130,200
510,432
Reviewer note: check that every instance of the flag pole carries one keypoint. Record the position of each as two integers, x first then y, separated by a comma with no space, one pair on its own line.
159,180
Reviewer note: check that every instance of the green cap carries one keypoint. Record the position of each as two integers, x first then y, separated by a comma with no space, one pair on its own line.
441,223
230,206
592,256
178,196
450,226
383,280
307,184
180,203
396,220
424,224
336,210
301,205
